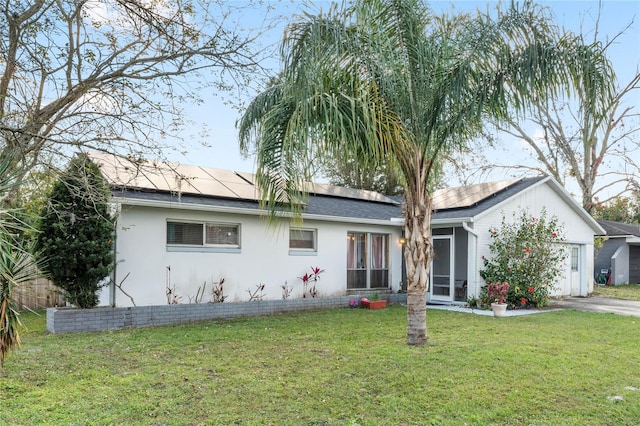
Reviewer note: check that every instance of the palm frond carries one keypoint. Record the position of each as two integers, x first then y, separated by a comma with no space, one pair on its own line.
385,80
17,266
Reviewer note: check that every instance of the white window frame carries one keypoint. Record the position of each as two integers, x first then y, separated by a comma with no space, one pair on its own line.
204,247
368,260
575,258
235,226
301,251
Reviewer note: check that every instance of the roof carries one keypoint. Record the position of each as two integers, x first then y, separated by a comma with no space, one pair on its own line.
492,196
494,200
336,206
125,172
620,229
177,185
315,205
467,196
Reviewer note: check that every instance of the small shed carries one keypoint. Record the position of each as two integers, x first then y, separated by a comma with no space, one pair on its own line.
618,260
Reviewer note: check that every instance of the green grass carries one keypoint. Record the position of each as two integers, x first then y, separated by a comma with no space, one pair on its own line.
339,367
625,291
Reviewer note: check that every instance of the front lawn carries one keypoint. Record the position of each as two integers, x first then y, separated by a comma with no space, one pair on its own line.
624,291
339,367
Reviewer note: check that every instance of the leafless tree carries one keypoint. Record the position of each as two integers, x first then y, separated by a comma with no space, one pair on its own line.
113,75
594,152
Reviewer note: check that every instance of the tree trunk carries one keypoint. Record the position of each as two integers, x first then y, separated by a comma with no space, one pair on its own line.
418,255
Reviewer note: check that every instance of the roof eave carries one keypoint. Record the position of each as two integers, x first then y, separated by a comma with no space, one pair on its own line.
438,222
246,211
450,221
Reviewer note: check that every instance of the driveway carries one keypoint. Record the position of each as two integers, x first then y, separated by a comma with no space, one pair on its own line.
598,304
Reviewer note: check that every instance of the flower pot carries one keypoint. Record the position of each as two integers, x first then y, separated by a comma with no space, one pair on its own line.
499,309
374,304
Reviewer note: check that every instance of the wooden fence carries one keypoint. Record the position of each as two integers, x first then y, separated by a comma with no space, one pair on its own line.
38,294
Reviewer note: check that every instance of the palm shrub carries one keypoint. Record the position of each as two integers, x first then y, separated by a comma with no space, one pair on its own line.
17,264
528,254
76,233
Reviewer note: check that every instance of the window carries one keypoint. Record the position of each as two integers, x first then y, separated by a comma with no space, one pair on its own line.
367,260
184,233
302,240
379,273
575,253
356,260
203,234
222,235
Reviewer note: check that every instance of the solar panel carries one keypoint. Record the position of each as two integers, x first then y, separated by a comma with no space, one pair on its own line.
343,192
466,196
172,177
187,179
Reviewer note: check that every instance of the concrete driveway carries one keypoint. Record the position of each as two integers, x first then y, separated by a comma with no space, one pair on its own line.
598,304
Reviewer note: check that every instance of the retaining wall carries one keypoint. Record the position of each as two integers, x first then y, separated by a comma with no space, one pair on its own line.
71,320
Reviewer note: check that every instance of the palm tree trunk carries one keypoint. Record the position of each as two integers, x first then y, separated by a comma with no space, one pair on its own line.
418,255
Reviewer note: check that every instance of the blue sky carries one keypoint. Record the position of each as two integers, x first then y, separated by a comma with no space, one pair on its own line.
222,142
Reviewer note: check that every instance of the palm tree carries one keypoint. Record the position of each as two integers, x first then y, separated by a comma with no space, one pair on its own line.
388,81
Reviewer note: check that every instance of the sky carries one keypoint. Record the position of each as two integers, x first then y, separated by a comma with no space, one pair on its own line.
222,149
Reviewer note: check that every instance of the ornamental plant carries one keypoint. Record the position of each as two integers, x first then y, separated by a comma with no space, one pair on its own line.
497,292
309,281
528,253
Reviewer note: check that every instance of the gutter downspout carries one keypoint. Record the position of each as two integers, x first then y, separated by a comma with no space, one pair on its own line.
465,226
112,284
472,256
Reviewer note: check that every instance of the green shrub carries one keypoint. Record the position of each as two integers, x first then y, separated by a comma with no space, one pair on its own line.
76,233
528,254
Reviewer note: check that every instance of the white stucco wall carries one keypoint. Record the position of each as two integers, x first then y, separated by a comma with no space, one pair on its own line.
263,258
534,200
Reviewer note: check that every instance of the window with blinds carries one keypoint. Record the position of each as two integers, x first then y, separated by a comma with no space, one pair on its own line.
302,239
184,233
203,234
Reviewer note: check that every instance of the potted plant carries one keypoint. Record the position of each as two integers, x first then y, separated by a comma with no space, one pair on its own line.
498,294
374,303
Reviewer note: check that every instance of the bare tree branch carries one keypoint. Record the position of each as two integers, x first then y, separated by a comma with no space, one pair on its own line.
113,75
593,151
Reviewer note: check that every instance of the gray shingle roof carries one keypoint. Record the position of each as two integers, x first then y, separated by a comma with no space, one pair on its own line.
315,204
321,205
619,228
193,185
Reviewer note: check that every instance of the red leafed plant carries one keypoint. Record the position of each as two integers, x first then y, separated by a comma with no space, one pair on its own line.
498,292
309,282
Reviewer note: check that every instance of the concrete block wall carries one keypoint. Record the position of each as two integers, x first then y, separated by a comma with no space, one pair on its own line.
71,320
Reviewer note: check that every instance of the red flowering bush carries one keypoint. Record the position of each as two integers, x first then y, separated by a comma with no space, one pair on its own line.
528,254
